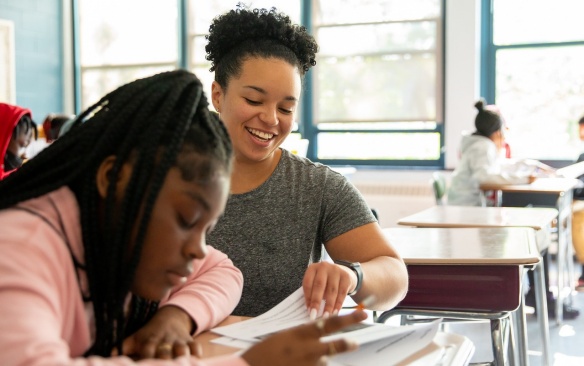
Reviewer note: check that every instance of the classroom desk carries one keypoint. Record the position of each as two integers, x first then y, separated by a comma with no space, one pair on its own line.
445,266
210,349
538,219
548,192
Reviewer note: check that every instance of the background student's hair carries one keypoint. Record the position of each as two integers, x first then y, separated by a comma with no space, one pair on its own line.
488,119
148,122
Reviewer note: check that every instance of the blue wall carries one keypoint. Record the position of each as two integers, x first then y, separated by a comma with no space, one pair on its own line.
38,45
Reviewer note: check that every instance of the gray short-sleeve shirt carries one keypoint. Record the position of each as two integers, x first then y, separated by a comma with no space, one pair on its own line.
275,231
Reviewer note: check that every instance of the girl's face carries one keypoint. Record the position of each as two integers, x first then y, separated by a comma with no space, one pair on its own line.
498,138
18,144
259,106
184,213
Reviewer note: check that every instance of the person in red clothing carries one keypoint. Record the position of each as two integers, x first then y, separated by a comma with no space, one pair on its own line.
16,131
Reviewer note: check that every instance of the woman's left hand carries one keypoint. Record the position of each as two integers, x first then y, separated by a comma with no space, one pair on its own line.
329,282
167,335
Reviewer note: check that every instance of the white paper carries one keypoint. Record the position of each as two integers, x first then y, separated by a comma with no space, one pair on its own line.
287,314
379,343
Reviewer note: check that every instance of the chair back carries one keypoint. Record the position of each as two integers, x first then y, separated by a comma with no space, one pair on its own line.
439,186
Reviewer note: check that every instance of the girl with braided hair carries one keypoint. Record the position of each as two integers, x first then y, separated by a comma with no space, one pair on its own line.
105,253
284,208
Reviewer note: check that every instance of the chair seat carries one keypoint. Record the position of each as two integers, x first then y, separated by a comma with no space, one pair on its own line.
469,288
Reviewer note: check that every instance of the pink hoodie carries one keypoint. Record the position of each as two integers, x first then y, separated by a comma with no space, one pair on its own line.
9,117
43,318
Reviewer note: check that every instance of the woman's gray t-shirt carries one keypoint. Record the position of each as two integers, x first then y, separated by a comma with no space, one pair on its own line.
275,231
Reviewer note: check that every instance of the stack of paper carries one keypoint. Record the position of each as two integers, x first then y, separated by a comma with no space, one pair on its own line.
379,344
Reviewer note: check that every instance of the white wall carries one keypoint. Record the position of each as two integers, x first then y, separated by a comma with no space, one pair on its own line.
462,71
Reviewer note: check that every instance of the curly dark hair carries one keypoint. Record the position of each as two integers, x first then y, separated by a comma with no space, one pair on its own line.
242,33
156,123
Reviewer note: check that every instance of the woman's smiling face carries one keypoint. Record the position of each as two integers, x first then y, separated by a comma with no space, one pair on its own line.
259,106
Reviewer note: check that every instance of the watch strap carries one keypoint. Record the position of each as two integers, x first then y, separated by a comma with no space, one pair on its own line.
355,267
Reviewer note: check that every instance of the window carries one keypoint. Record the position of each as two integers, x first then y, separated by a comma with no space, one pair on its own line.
378,93
375,96
116,45
538,78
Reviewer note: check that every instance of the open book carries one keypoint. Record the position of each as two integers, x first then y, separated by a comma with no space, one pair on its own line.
379,344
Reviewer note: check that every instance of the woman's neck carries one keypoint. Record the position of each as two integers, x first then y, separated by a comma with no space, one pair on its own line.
248,175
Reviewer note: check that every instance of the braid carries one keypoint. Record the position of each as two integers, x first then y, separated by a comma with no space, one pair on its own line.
148,123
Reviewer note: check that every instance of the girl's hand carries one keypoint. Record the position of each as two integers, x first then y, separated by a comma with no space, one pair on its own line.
301,346
167,335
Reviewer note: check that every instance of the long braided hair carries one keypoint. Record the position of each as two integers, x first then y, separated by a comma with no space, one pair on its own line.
149,122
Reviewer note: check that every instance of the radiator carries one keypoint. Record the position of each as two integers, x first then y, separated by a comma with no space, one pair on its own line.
394,200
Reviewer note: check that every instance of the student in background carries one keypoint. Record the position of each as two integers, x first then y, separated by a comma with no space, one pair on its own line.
578,213
283,207
105,253
53,123
481,162
17,129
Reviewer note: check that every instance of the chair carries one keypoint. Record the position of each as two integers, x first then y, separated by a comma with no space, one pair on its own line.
439,186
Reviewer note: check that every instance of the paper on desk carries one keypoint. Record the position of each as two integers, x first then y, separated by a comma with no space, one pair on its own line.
288,313
391,349
377,341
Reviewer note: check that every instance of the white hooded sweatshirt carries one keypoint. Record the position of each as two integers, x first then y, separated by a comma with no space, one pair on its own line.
480,163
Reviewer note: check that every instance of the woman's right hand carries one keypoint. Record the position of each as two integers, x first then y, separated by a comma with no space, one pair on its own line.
301,346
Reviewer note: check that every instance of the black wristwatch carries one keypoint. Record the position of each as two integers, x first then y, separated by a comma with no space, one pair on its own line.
356,267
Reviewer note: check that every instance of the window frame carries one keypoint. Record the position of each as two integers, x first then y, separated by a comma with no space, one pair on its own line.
309,130
488,72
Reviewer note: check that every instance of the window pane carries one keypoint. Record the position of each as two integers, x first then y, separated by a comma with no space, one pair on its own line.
540,92
198,52
98,82
111,35
206,78
359,11
378,38
380,126
387,88
537,21
203,12
382,146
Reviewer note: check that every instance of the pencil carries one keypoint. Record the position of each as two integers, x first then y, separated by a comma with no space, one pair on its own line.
366,302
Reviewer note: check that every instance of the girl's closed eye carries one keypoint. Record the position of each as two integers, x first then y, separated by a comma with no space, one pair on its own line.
187,223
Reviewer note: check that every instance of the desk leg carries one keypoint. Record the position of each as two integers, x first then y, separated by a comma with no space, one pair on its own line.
520,334
520,348
561,261
542,314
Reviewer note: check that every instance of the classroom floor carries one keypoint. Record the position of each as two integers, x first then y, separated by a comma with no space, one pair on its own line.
567,339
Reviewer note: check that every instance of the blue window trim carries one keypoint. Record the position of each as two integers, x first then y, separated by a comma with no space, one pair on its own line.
76,57
183,19
487,87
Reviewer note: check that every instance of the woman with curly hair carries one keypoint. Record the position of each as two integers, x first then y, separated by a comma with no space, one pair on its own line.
284,209
105,254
